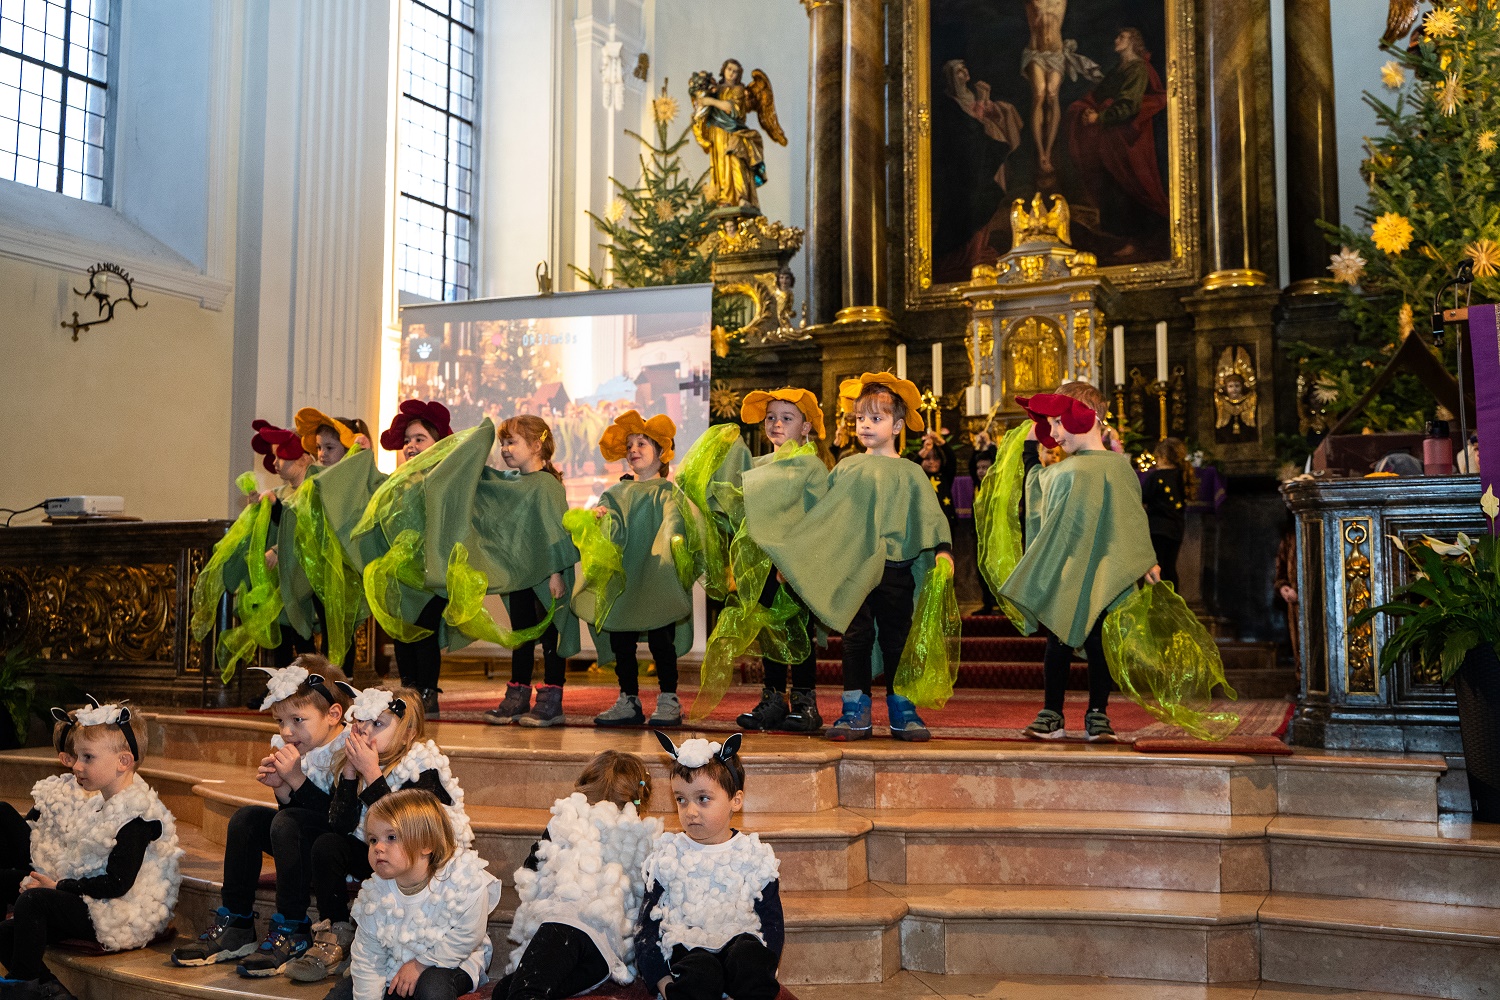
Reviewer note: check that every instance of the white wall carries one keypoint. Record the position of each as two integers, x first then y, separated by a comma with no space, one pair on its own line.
1357,27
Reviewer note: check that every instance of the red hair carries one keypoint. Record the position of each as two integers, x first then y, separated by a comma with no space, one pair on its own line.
535,432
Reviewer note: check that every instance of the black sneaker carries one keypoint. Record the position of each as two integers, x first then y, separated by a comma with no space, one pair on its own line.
1097,728
285,941
766,715
1047,726
430,702
34,989
803,716
230,936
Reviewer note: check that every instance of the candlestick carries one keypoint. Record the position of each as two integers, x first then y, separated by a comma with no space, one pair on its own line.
1119,333
1161,351
937,368
901,361
971,401
984,398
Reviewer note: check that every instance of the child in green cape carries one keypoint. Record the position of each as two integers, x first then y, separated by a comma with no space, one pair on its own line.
855,547
787,415
537,539
640,517
285,455
1087,543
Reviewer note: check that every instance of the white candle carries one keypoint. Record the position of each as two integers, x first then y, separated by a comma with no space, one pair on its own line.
971,401
1161,350
937,369
901,361
1119,332
984,398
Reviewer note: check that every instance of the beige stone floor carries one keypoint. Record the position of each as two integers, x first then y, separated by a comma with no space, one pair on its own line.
927,986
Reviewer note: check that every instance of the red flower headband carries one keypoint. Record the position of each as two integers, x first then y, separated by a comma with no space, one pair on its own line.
434,415
1077,416
275,442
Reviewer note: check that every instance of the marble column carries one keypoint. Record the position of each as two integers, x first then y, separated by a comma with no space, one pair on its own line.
1312,189
1239,185
825,117
864,164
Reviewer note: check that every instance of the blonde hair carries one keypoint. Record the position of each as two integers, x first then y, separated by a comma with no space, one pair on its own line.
1088,395
616,777
306,697
420,822
110,738
411,728
535,432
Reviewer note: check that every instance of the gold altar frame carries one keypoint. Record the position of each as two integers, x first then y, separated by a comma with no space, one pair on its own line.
1182,160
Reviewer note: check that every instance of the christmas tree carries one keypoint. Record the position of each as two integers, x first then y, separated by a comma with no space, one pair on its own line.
1432,206
656,231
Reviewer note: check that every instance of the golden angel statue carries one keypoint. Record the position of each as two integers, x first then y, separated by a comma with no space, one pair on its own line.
721,111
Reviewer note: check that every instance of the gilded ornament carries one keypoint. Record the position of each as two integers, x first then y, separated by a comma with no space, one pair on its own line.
1235,394
98,613
724,401
1359,642
736,152
1050,226
616,211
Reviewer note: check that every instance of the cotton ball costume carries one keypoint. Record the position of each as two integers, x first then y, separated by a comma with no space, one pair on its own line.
709,895
589,877
317,763
434,926
423,756
55,799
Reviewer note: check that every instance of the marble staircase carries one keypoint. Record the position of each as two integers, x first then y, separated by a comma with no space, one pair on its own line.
970,858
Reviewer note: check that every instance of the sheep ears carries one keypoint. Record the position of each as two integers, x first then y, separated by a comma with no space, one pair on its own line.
731,746
347,688
268,671
59,715
124,715
92,700
666,743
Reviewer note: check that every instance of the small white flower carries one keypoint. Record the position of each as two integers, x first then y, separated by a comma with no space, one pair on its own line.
283,683
696,753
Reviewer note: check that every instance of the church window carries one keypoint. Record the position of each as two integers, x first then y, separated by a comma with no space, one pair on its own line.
54,95
435,155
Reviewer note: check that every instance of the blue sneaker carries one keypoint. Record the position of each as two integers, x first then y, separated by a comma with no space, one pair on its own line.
854,724
286,940
906,724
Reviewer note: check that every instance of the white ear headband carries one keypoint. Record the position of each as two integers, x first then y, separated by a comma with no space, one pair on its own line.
369,703
696,753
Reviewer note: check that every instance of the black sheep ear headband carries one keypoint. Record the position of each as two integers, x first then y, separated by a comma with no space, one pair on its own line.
283,682
103,715
68,725
696,753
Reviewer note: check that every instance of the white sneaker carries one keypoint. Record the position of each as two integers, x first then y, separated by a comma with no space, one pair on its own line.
625,712
668,712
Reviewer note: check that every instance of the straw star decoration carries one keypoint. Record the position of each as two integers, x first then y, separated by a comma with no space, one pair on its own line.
1450,94
1392,233
1440,23
1393,75
724,401
664,108
1485,255
1404,320
1347,266
1486,141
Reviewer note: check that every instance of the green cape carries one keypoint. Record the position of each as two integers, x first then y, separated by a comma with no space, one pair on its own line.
730,471
1087,543
521,542
643,517
831,536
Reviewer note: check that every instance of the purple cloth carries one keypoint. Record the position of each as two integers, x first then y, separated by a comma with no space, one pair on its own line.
1484,348
963,496
1211,492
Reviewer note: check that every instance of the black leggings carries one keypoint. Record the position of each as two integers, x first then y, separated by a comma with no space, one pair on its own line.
663,645
1057,664
1166,557
420,662
560,961
804,674
744,968
15,853
335,857
41,917
433,984
287,835
526,611
889,605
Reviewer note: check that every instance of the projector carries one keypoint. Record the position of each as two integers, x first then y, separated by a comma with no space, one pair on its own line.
83,506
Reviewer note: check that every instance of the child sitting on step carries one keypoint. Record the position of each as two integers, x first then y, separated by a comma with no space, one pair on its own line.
309,713
114,877
1087,543
31,842
711,923
423,915
581,886
386,750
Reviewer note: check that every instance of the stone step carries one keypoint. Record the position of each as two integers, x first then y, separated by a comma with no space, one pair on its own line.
1359,786
1453,862
1195,937
1181,851
1423,949
932,986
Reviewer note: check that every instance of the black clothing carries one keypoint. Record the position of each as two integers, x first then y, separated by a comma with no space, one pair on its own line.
889,605
348,802
652,966
1057,664
1164,497
336,857
42,917
420,662
124,863
1166,558
15,852
525,612
744,968
433,984
663,645
804,674
559,961
287,834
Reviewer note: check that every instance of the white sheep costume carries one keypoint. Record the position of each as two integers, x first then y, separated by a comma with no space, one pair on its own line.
54,798
709,891
588,876
423,756
317,763
443,926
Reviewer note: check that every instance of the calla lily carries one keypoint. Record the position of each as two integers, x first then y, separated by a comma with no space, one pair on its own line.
1447,549
1489,503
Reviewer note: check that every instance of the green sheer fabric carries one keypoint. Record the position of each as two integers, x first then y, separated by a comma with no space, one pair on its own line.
705,464
466,612
929,662
328,505
601,560
209,588
1164,660
257,605
401,564
997,516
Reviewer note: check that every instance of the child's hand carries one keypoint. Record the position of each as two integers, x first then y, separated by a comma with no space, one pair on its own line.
1031,434
266,775
599,512
288,765
947,557
555,586
360,752
1153,575
40,881
404,982
271,557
